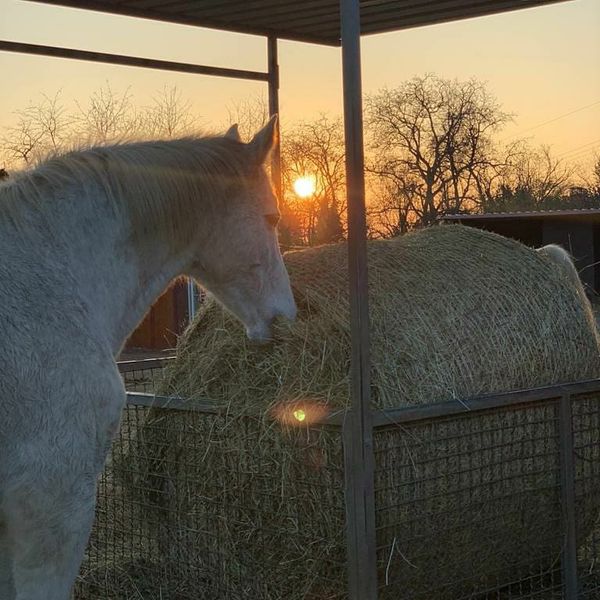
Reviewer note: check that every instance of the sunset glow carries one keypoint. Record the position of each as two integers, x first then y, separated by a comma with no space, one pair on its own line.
305,186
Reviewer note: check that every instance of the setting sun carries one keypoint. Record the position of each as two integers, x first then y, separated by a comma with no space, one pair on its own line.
305,186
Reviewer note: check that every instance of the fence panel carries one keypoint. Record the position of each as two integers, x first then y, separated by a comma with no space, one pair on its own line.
586,442
143,376
470,504
207,505
188,508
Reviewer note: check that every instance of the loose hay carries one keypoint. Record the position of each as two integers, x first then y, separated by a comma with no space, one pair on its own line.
455,313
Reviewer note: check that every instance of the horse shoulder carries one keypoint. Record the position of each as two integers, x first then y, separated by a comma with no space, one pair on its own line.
62,410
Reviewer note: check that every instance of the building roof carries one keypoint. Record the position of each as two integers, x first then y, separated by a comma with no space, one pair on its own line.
315,21
583,213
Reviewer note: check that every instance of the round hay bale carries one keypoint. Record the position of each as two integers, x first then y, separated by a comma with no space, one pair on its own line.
455,313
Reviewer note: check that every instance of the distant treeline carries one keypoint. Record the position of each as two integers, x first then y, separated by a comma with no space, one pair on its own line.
431,149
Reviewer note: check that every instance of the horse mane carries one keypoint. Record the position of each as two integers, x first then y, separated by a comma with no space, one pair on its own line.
160,186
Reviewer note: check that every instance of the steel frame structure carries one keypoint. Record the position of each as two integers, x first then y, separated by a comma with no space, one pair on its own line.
358,430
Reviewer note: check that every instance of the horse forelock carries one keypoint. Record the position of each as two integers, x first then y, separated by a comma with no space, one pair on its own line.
161,187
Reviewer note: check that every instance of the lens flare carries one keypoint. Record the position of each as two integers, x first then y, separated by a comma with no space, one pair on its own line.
299,415
296,413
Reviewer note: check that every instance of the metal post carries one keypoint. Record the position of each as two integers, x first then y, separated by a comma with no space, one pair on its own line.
358,430
273,72
567,480
191,299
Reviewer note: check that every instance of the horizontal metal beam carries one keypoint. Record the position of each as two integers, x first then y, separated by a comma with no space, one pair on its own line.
400,416
174,403
584,214
334,420
126,366
131,61
409,414
396,416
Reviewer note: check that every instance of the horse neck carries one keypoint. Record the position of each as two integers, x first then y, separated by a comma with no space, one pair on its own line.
116,277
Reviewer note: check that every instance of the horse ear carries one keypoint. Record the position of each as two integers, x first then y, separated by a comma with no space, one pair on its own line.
233,133
265,140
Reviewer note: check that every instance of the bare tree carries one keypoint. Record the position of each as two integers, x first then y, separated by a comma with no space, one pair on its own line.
53,122
250,114
46,126
542,175
432,139
315,149
595,182
528,179
169,115
390,209
41,129
109,116
21,142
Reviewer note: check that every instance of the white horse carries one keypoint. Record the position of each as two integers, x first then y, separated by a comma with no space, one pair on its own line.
87,242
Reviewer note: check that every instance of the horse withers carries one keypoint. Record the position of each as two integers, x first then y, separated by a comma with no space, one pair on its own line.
87,242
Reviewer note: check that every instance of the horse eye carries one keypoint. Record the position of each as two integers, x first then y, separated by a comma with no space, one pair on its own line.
273,219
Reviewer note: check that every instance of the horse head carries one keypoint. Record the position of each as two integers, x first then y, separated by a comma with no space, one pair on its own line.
242,265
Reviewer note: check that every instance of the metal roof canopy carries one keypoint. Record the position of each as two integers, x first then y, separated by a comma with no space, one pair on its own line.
337,23
575,214
316,21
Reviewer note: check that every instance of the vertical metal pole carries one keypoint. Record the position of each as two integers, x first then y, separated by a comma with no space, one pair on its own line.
358,430
567,477
273,71
191,299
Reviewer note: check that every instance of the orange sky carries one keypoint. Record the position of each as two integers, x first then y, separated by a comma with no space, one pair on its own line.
541,63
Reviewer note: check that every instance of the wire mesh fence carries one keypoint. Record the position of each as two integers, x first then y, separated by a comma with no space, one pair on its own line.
183,514
586,449
468,504
143,376
490,500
